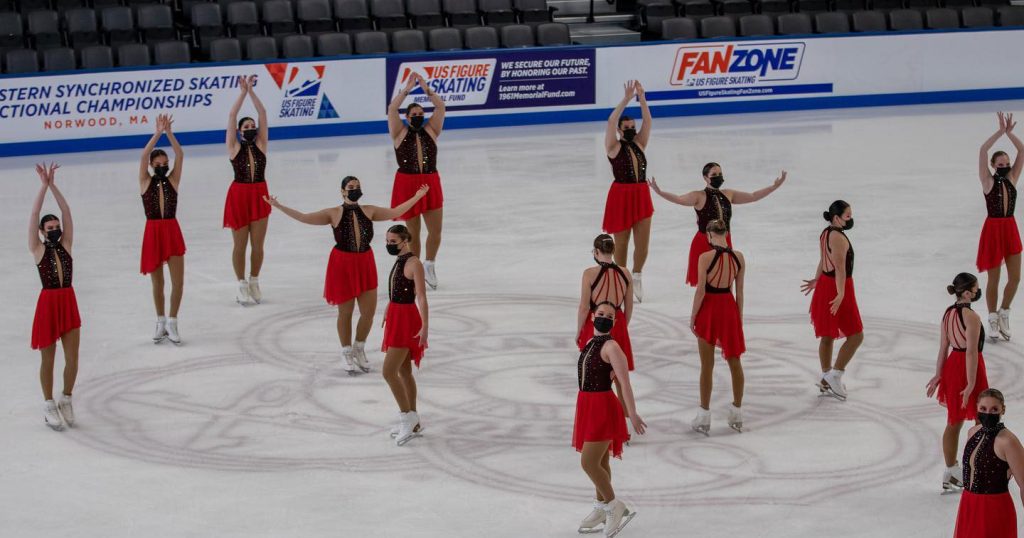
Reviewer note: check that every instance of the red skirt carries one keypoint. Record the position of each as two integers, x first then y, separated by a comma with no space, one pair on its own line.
627,204
986,516
245,205
1000,239
161,240
401,325
56,314
718,323
698,246
620,333
847,319
599,417
953,381
349,275
405,187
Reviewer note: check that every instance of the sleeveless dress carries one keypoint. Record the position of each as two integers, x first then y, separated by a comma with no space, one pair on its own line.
244,203
57,306
953,378
162,238
417,165
1000,237
402,321
351,267
629,196
716,206
847,320
610,276
986,507
718,320
599,415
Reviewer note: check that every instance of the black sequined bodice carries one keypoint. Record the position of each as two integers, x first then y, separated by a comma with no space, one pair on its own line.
401,290
49,274
151,199
956,328
825,245
346,238
716,206
984,472
630,165
592,373
718,266
250,164
416,149
994,198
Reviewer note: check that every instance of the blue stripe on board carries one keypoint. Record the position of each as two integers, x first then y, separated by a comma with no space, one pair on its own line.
747,91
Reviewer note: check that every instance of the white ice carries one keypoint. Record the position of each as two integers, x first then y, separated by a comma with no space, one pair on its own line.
251,429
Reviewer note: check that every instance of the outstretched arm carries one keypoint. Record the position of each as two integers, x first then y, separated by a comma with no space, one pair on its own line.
144,159
644,135
67,225
179,154
387,213
436,122
689,199
611,141
983,172
318,218
739,197
263,136
37,206
395,124
231,135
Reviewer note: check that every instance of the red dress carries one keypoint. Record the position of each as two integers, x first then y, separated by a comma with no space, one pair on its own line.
629,197
599,415
986,507
351,268
716,206
603,284
402,322
718,321
1000,237
244,204
417,165
57,307
847,320
162,238
953,379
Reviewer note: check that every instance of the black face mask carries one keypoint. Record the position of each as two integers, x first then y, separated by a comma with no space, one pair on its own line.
416,122
1003,171
976,296
848,225
354,195
393,249
628,135
53,236
161,171
717,181
989,420
603,325
249,134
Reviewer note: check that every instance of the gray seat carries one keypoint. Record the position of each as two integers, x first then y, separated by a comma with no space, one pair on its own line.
717,27
244,20
481,37
922,5
12,33
832,23
22,61
226,49
408,41
58,59
315,16
942,18
389,14
905,19
44,29
756,25
132,54
336,44
425,14
977,17
445,39
156,23
849,6
461,13
278,18
736,8
534,11
82,28
679,28
514,36
958,5
1011,16
652,13
28,6
97,57
261,48
886,5
352,16
371,43
207,24
497,12
553,34
775,7
794,24
869,21
696,9
171,52
812,7
119,25
297,46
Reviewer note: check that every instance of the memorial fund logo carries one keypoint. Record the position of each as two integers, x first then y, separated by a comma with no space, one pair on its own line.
302,91
736,64
458,82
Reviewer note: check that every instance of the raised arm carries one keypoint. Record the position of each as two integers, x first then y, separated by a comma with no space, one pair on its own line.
144,159
436,122
231,135
739,197
67,225
387,213
263,136
421,300
395,124
584,309
644,135
702,278
1018,162
689,199
614,355
840,247
984,174
933,383
739,282
318,218
179,154
611,140
973,333
34,244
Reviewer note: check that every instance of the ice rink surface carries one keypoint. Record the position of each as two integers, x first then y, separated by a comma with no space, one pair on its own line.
251,428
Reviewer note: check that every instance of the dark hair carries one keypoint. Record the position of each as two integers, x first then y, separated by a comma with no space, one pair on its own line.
241,121
401,231
609,303
997,155
836,209
962,283
47,218
347,180
993,393
708,167
718,227
623,118
156,153
408,109
604,244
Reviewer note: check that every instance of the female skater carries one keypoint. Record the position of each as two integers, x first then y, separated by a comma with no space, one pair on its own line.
960,374
606,282
244,210
50,240
992,455
416,152
351,268
717,320
600,427
405,329
1000,238
628,208
713,203
834,311
162,242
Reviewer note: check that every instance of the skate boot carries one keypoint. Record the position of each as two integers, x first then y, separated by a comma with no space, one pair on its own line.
359,355
1004,323
638,288
254,289
702,422
832,384
594,523
398,427
952,479
350,363
243,296
161,330
52,417
617,516
66,411
429,274
736,418
172,331
407,429
993,325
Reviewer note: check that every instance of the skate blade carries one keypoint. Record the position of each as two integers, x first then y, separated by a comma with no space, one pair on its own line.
830,394
178,343
365,370
56,428
622,524
159,340
594,530
393,435
402,442
950,490
705,433
737,427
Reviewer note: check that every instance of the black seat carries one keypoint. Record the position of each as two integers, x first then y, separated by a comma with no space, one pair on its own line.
28,6
461,13
336,44
942,19
371,43
869,21
352,16
100,5
850,6
905,19
652,13
514,36
156,23
958,5
977,17
994,3
207,24
297,46
497,12
97,57
62,6
812,7
133,54
425,14
261,48
695,9
756,25
679,28
59,59
735,8
553,34
481,37
1011,16
278,18
408,41
22,61
794,23
44,29
832,23
226,49
389,14
12,32
83,30
775,7
921,5
119,25
171,52
717,27
886,5
445,39
244,20
534,11
315,16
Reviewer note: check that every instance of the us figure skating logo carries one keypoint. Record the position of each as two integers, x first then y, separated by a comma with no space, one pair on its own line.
302,97
736,64
457,82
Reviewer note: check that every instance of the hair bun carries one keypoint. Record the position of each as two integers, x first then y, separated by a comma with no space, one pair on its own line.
951,289
826,216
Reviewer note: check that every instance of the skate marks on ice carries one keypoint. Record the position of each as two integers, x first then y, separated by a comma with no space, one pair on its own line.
498,399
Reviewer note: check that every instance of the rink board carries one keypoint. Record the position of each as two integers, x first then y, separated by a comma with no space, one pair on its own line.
114,109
